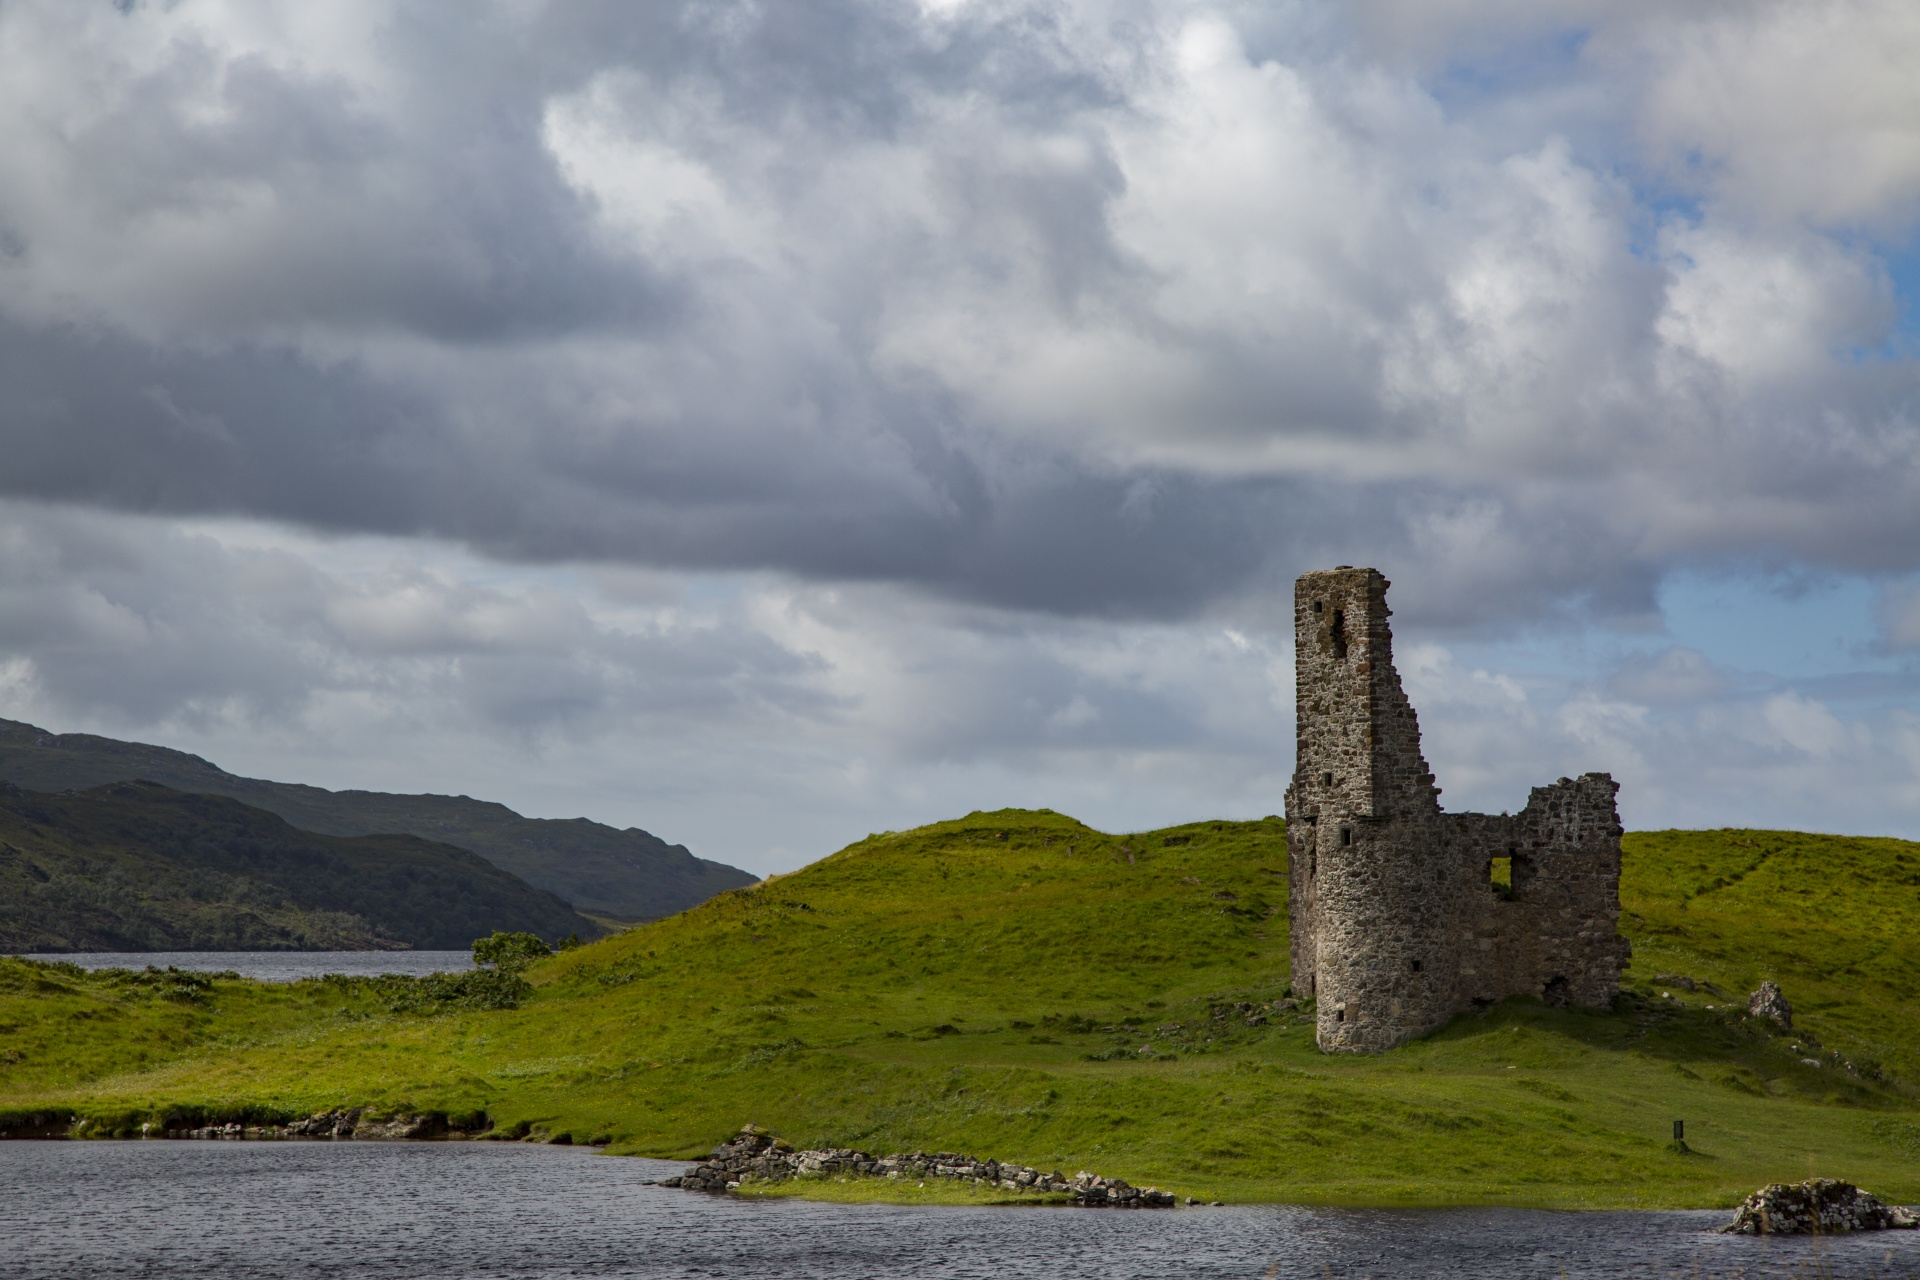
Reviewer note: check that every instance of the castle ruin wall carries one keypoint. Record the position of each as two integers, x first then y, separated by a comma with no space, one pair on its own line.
1397,924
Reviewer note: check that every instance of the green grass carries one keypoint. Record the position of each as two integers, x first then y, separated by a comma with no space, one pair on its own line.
988,986
1832,919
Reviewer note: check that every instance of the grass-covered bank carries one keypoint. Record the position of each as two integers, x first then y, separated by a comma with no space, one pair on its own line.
1019,986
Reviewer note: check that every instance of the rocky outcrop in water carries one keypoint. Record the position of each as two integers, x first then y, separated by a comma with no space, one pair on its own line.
1819,1206
754,1155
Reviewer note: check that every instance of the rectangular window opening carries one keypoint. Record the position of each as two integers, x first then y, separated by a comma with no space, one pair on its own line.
1326,779
1500,875
1346,836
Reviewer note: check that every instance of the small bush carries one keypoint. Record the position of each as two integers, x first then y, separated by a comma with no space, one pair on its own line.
509,952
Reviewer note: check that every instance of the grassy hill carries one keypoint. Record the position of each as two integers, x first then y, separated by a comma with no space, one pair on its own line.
626,875
1019,985
136,866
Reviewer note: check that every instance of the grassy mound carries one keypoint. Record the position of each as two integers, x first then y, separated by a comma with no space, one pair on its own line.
1019,985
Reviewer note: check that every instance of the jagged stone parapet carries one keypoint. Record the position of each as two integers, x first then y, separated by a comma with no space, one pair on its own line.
1401,915
754,1155
1819,1206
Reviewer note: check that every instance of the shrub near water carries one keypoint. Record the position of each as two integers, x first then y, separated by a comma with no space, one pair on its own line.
511,951
1019,986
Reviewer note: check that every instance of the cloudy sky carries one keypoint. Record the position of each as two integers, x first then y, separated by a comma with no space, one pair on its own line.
770,422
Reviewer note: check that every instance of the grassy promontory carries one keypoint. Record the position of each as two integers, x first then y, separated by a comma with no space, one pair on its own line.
1017,985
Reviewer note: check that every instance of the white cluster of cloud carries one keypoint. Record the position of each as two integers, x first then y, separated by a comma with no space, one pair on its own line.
997,359
1691,744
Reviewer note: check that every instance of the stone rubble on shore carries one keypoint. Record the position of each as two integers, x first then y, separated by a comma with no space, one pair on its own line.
348,1123
754,1155
1819,1206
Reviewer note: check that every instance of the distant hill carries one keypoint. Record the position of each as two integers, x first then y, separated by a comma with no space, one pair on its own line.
626,875
135,866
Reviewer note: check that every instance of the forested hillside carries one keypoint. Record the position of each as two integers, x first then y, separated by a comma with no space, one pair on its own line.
135,866
626,875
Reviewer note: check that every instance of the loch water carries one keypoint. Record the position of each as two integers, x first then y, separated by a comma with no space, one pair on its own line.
276,966
387,1211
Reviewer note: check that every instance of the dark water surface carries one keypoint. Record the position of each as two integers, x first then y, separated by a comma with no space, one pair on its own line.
277,966
364,1209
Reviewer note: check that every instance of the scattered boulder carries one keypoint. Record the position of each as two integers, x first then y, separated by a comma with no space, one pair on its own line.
1819,1206
326,1124
753,1155
1767,1002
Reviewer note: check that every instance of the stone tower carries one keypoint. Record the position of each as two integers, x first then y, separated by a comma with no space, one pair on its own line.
1397,922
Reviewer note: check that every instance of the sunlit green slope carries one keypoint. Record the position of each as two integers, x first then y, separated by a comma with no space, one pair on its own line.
1018,985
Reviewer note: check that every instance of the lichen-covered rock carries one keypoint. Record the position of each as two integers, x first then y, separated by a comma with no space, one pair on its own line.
326,1124
1819,1206
402,1126
1767,1002
756,1155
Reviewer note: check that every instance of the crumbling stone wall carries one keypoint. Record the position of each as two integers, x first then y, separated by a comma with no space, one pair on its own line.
1396,922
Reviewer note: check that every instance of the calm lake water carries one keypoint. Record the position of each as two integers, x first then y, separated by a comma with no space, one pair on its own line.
277,966
389,1210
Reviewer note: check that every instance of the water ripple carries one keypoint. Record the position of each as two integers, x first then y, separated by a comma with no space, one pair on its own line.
478,1211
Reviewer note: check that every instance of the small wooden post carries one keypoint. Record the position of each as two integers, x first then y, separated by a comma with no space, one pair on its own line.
1679,1130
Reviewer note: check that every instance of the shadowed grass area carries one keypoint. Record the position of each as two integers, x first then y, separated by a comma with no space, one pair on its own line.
1017,985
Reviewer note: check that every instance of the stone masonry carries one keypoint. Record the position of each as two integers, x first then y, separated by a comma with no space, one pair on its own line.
1397,923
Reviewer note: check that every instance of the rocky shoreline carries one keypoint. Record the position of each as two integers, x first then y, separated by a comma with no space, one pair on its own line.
343,1123
1818,1206
754,1155
349,1123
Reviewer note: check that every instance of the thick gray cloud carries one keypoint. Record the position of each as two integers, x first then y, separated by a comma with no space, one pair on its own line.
760,719
1104,308
767,721
909,406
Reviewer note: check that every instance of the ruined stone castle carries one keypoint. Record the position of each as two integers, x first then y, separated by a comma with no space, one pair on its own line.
1400,916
